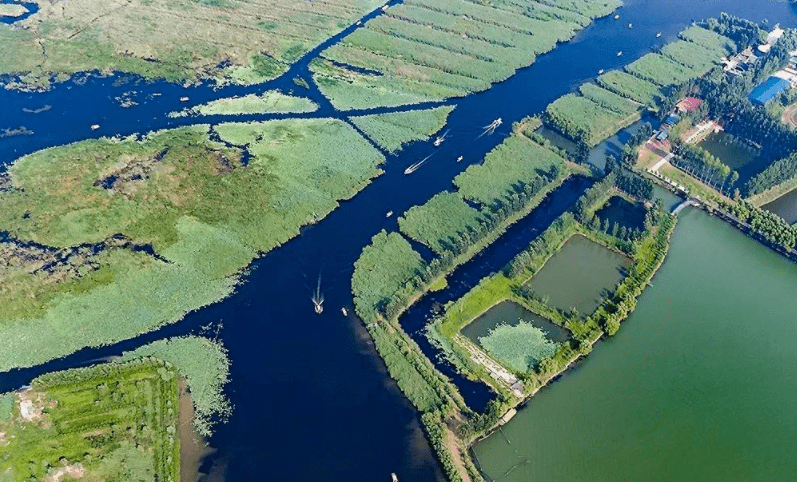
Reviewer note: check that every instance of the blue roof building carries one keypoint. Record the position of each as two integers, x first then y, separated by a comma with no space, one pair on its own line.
768,90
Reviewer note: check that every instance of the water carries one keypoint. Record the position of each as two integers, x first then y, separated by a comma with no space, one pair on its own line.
785,206
312,400
511,313
624,213
32,8
668,200
731,152
579,275
697,385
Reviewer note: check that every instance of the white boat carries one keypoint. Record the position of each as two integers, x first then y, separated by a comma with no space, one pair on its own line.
344,311
600,72
440,139
95,127
617,17
630,25
183,99
459,159
393,476
620,53
389,213
658,35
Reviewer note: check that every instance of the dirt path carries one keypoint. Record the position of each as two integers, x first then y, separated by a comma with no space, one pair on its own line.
789,116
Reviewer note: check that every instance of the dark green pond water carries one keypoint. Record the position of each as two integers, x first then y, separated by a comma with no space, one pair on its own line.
624,213
698,385
785,206
512,313
578,275
732,153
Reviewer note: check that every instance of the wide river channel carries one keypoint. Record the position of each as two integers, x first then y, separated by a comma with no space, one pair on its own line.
312,401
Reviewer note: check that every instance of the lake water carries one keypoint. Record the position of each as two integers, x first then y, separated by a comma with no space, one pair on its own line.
698,384
579,275
785,206
311,399
511,313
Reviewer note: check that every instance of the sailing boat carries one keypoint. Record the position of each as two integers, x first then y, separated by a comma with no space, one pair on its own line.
415,166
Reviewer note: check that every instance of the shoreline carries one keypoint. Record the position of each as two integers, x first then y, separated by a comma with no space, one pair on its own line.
193,447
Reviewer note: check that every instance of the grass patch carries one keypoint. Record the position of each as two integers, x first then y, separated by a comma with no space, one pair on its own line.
662,70
579,118
271,102
632,87
391,131
519,347
441,222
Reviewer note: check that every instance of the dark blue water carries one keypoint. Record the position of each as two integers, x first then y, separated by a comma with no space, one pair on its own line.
32,8
312,400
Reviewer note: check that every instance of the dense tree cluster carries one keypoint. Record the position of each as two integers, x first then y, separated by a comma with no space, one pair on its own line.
771,227
703,166
742,31
777,173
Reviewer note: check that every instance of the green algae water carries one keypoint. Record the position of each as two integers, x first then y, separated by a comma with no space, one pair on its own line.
698,385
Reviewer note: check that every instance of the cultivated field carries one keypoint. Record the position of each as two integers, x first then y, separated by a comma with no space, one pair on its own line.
173,39
391,131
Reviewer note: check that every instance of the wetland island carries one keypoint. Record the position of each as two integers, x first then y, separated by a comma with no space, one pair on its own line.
414,240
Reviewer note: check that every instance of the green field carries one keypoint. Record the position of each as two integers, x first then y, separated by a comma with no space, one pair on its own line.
631,87
391,131
608,100
440,222
176,191
105,423
661,70
422,50
693,55
173,39
708,39
384,268
520,347
514,162
271,102
580,118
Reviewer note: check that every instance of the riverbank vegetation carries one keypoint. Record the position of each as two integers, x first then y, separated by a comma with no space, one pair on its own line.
271,102
107,422
392,131
771,227
166,216
421,51
184,40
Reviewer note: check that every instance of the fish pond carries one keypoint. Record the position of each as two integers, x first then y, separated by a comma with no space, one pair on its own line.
511,313
698,384
625,213
785,206
732,152
579,275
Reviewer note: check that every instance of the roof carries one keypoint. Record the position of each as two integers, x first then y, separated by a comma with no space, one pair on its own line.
689,104
769,89
775,35
671,119
663,135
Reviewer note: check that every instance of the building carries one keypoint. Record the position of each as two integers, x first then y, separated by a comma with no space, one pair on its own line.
768,90
773,37
689,104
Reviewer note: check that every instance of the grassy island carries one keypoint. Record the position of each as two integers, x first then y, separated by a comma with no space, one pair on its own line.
112,238
271,102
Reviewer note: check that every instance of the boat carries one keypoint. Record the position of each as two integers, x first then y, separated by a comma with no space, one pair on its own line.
617,17
95,127
440,139
393,476
344,311
183,99
600,72
658,35
459,159
620,53
630,25
359,22
318,298
389,213
415,166
489,129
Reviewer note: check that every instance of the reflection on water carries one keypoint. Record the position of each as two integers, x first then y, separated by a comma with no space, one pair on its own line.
510,313
785,206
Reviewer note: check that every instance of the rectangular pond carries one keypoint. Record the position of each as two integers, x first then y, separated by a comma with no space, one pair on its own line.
785,206
579,275
511,313
731,151
698,385
623,212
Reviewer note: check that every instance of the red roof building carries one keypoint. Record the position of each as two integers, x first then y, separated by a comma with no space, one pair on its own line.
689,104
